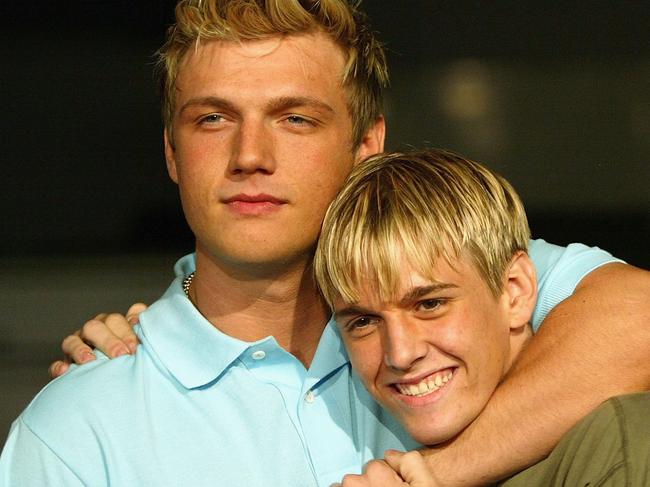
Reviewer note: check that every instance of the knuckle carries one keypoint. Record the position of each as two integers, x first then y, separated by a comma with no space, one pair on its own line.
136,308
91,327
412,455
372,466
375,467
68,342
412,459
113,319
350,480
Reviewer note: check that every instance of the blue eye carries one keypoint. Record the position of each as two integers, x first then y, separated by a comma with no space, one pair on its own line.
296,120
212,118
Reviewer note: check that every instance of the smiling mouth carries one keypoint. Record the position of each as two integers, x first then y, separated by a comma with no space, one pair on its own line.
426,386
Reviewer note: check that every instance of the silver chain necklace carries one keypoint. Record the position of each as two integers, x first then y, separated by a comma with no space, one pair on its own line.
187,282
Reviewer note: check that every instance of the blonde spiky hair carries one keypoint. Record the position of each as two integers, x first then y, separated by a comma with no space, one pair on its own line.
365,74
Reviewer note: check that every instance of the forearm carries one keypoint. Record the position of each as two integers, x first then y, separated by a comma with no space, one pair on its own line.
592,346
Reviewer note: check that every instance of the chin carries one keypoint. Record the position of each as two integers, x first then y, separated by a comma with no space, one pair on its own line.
261,257
433,432
431,438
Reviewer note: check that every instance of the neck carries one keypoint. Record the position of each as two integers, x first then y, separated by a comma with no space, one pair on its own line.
252,303
518,340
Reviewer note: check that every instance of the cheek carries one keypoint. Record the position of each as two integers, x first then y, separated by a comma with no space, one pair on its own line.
327,177
329,157
318,184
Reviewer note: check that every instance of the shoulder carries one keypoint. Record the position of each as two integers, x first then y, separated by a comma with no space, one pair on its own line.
576,258
86,397
79,385
560,270
69,426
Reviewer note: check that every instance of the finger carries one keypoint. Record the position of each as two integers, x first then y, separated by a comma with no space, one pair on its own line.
75,350
352,480
378,473
393,458
120,327
98,334
411,466
133,313
58,368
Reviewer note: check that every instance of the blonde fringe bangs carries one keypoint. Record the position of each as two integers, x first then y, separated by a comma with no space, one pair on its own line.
426,206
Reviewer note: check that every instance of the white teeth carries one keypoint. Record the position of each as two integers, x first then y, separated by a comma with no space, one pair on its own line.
426,386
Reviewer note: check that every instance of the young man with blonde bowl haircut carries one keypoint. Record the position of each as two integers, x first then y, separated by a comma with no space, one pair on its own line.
422,258
240,378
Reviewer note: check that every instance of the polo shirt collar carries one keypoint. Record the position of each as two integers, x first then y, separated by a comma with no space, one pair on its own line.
189,347
330,354
196,353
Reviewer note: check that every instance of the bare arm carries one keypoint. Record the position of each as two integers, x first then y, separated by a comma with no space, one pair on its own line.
594,345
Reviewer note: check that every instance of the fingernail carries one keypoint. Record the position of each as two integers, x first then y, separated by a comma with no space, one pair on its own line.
132,347
87,357
121,351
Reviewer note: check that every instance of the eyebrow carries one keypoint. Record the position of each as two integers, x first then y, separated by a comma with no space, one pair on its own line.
412,295
276,104
285,102
351,311
207,101
417,292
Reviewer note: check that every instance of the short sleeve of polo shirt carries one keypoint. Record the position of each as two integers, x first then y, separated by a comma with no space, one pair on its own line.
27,461
560,270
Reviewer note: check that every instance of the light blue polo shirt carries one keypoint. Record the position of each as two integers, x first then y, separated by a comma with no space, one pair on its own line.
196,407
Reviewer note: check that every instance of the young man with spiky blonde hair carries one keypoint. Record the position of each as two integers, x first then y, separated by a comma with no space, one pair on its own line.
240,378
423,259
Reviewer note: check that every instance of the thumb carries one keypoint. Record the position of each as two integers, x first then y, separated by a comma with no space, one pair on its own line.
411,466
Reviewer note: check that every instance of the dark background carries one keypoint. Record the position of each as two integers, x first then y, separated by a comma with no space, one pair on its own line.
554,95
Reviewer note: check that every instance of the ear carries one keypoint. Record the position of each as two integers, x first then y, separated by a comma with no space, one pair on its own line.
170,157
520,290
373,141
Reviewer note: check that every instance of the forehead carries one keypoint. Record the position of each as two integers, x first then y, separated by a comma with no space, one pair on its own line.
301,61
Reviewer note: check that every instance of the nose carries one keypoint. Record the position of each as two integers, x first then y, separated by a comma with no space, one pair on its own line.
252,149
403,346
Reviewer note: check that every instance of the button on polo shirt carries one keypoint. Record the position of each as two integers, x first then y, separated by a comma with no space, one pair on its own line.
310,397
258,354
